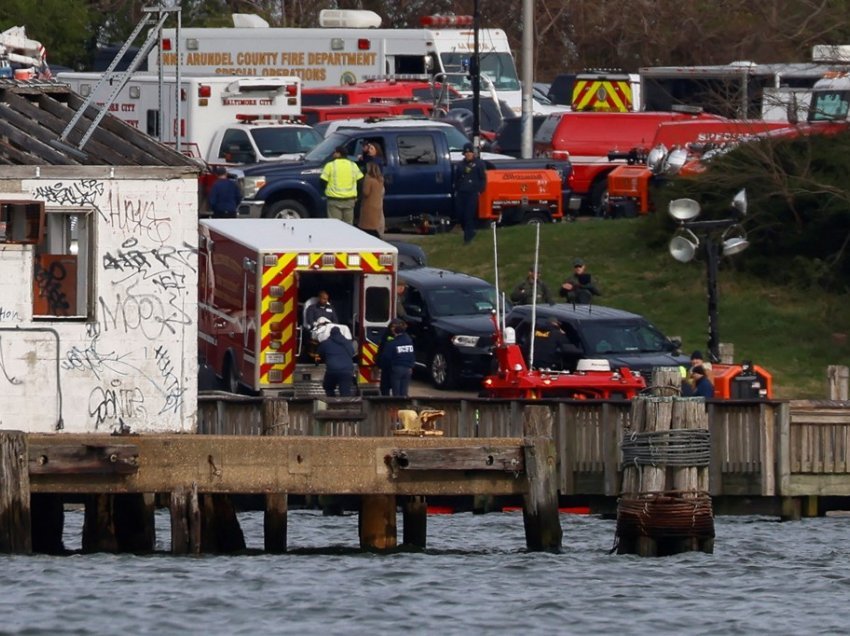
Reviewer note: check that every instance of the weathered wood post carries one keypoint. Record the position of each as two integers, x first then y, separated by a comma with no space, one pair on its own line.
377,522
221,532
838,377
415,520
48,521
664,508
275,515
540,510
118,523
15,522
185,521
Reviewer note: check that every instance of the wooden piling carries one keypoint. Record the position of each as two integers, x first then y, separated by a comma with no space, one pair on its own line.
654,477
48,521
665,507
415,519
119,523
185,521
221,532
540,510
15,521
377,523
276,510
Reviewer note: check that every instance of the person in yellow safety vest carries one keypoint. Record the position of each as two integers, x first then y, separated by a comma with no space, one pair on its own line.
341,175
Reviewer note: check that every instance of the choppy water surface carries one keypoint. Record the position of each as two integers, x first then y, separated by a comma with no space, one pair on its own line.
475,578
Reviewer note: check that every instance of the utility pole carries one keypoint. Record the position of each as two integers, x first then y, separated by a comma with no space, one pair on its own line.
527,77
475,72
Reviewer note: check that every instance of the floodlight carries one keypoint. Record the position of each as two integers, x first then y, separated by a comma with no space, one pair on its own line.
684,209
655,158
683,246
675,160
740,202
734,240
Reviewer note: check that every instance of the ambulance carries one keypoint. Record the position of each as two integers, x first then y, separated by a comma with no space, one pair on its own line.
223,120
348,47
257,277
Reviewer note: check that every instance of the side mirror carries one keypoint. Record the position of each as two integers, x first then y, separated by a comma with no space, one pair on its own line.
414,310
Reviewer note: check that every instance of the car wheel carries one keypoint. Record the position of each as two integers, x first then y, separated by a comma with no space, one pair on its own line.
285,209
442,371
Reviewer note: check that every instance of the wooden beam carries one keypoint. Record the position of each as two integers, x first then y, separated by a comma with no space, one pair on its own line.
45,153
285,464
471,458
83,459
540,508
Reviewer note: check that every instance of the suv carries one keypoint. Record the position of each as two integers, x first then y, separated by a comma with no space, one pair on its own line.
508,139
621,337
449,317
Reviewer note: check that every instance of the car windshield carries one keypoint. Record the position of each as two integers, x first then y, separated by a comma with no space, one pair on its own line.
498,68
461,302
830,106
624,337
325,149
274,141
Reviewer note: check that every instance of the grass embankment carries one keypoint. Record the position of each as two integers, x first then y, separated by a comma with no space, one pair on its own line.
793,333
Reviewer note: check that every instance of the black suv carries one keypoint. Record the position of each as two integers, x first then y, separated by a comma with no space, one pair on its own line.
449,318
508,139
621,337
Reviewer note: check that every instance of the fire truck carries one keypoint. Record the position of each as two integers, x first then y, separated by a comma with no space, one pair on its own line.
346,48
604,91
257,277
223,120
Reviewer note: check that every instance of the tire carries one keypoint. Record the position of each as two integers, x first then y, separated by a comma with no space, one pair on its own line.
285,209
442,372
599,198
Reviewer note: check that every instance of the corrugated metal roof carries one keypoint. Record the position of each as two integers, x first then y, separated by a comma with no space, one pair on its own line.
34,113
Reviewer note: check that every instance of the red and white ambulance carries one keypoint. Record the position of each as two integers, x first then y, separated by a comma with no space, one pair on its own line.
257,277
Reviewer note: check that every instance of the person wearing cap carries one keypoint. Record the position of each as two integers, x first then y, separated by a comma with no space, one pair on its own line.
400,293
224,196
523,293
397,358
579,288
697,360
470,179
341,175
337,352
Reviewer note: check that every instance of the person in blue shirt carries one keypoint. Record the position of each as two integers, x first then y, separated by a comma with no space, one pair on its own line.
338,354
702,386
397,357
470,179
224,196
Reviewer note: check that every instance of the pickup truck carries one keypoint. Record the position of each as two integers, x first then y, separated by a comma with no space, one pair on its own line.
418,156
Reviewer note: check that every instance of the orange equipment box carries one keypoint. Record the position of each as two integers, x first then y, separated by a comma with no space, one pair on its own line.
742,382
517,196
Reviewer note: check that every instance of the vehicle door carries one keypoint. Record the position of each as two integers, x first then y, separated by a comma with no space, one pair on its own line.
373,314
418,323
417,177
236,147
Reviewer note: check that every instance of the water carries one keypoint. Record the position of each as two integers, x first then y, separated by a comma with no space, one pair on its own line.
475,578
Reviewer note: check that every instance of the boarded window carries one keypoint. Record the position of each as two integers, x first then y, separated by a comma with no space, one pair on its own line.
62,277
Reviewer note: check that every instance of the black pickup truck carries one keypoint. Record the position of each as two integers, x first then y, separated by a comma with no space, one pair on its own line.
418,159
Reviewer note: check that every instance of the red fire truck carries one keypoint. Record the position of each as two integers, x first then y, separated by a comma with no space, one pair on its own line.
256,279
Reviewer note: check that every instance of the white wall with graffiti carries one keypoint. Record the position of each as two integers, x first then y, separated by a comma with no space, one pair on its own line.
98,328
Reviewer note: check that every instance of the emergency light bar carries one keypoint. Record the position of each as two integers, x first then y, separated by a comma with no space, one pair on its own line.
279,119
269,84
446,21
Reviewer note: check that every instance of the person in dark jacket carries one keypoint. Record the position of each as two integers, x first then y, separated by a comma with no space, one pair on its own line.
397,357
579,288
702,386
224,196
337,352
470,179
523,293
551,346
320,309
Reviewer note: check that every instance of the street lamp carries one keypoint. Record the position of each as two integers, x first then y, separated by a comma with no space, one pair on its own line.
720,237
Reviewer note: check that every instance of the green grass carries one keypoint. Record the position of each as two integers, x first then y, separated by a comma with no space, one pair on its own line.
793,333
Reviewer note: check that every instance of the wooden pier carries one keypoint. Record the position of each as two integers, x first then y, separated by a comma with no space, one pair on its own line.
119,477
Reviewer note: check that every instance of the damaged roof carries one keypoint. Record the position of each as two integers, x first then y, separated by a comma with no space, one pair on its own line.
34,114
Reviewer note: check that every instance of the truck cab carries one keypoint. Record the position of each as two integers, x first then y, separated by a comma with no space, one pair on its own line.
251,139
